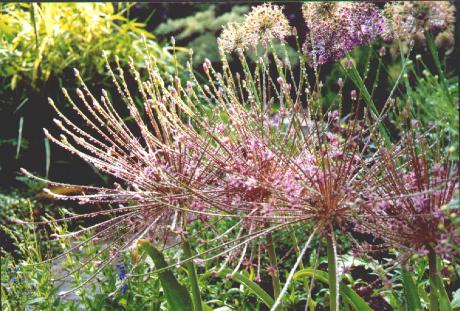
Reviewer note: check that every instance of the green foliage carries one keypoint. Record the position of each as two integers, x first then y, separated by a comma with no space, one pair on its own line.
243,279
434,100
176,294
13,207
25,285
31,283
410,291
40,41
200,29
456,300
349,295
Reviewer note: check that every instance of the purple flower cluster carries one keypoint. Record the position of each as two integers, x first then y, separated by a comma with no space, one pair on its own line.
336,28
122,275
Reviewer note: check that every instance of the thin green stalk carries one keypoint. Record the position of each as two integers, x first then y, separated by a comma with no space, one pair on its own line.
438,293
297,251
433,271
359,83
273,262
332,273
196,296
434,52
296,245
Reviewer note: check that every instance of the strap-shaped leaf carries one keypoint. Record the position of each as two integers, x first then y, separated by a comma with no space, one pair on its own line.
410,290
348,294
252,286
176,294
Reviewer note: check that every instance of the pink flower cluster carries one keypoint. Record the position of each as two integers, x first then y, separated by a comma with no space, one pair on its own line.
407,208
336,28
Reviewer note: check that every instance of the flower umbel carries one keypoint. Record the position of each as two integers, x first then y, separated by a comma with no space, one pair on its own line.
335,28
264,23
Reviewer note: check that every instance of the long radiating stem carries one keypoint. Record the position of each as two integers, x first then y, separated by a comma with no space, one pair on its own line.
196,296
332,271
433,272
273,262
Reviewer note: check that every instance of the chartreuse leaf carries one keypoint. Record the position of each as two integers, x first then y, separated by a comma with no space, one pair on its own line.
176,294
410,291
348,294
252,286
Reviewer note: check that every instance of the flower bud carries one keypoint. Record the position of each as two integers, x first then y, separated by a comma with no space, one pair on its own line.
354,95
349,64
340,82
206,67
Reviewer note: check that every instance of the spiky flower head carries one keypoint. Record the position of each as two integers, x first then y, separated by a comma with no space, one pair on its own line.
155,159
406,209
264,23
335,28
234,37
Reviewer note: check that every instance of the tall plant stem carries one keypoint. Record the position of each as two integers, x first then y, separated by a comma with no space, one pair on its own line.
196,296
332,272
433,272
297,251
273,262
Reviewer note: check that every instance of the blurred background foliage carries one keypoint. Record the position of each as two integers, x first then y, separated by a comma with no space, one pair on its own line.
40,41
40,44
199,30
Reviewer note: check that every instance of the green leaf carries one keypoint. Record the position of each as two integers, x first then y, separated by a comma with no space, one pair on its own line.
348,294
176,294
444,302
206,307
456,299
252,286
410,291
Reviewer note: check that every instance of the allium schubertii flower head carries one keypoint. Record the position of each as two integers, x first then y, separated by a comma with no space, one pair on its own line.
408,205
